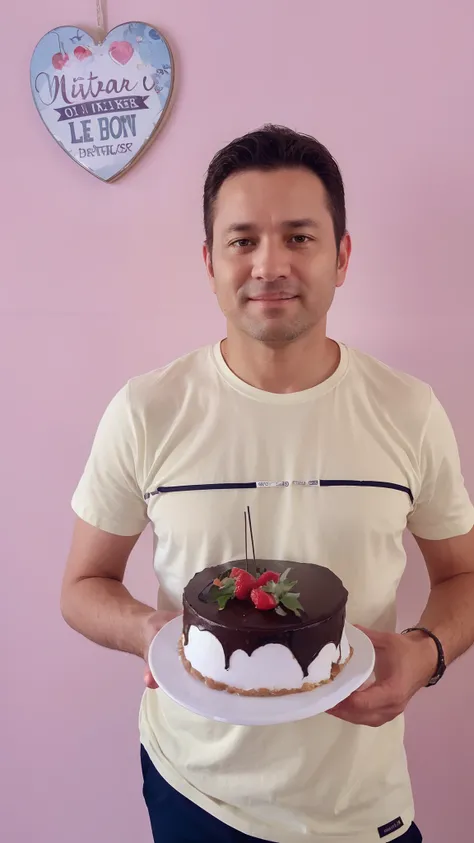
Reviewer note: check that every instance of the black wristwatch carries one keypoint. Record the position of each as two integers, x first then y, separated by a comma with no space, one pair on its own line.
441,666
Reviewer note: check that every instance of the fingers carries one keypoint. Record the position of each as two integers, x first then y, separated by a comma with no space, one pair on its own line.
373,706
386,697
372,719
149,681
154,623
379,639
378,695
367,684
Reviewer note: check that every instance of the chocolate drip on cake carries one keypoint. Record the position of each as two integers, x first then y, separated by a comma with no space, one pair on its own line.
242,627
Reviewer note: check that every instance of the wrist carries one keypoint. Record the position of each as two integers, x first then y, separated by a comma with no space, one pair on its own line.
152,622
426,654
146,631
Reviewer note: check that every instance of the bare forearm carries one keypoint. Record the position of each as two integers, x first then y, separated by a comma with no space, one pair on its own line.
449,613
105,612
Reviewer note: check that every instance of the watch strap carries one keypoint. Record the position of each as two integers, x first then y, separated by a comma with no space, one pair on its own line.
441,666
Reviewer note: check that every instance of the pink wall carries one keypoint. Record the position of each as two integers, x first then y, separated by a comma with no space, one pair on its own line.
100,282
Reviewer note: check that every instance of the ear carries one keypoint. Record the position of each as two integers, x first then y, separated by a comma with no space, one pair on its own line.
343,259
206,253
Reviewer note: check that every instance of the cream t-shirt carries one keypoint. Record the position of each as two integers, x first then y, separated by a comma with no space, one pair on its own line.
333,475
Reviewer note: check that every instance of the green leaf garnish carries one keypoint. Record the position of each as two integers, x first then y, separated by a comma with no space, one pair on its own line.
223,600
216,591
278,588
228,581
222,593
291,602
283,595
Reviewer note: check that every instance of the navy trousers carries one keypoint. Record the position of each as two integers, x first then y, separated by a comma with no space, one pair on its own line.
175,819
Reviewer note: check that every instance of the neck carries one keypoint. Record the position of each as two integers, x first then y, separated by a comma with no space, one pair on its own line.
292,367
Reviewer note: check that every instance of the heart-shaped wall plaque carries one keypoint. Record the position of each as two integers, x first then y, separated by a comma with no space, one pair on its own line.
103,103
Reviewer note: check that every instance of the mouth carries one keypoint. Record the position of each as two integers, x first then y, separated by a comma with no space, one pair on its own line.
270,298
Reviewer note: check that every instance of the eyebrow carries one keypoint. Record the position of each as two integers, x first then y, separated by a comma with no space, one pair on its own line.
245,227
306,222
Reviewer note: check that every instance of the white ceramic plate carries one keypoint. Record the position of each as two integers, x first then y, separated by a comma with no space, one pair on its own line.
194,695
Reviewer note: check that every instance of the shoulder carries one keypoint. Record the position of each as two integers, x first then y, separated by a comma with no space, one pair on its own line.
147,405
389,387
168,386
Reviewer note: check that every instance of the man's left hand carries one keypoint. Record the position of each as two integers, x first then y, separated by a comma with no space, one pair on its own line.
403,665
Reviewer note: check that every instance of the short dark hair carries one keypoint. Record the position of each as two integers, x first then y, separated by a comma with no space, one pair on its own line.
271,148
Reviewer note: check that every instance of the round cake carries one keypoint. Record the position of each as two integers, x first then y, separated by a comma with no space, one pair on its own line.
264,627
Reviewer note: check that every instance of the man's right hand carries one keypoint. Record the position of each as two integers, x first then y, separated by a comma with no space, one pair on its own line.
153,625
94,600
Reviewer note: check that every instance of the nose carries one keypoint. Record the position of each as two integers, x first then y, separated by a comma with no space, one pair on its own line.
270,261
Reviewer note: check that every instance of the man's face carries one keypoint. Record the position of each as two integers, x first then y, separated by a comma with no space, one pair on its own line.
274,264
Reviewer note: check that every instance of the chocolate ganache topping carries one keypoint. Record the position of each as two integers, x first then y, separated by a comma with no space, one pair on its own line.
240,626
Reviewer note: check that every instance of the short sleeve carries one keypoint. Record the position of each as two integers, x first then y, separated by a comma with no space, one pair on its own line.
442,508
108,495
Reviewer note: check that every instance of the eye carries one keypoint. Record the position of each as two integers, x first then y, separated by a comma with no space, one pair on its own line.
299,239
242,243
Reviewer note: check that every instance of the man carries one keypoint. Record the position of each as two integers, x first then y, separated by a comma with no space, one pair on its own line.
278,400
